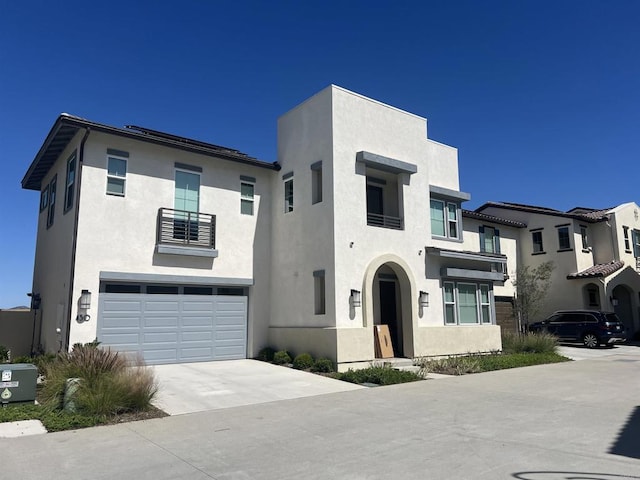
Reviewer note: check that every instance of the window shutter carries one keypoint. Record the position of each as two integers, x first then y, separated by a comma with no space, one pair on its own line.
496,240
482,249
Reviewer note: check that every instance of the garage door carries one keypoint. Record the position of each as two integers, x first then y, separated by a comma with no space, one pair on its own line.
174,328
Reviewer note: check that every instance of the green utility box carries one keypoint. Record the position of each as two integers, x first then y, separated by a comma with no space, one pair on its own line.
18,383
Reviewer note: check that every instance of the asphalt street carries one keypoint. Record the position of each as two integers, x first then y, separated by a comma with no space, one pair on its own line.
575,420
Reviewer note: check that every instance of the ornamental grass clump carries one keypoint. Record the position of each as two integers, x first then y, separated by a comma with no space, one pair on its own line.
108,382
529,343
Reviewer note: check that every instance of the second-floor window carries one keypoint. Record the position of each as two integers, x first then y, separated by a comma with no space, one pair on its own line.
627,245
636,243
70,182
246,198
316,183
116,175
489,239
288,195
536,238
564,240
444,219
584,238
52,201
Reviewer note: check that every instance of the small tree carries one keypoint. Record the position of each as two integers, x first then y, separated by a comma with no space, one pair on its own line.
532,286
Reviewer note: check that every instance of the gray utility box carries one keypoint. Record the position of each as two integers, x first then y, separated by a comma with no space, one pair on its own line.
18,383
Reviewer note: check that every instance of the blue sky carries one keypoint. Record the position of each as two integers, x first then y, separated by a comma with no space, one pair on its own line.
542,98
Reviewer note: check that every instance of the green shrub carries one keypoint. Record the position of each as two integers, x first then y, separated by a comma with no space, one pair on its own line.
266,354
22,359
322,365
303,361
529,343
109,383
380,375
4,354
281,357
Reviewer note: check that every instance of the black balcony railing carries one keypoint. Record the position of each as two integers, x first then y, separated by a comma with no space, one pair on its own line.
193,229
385,221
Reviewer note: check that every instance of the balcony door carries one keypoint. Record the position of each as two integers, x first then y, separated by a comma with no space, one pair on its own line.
186,204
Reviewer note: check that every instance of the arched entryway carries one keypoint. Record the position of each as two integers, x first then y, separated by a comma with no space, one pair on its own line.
389,292
621,299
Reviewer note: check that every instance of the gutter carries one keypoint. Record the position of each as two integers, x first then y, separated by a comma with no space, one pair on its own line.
65,345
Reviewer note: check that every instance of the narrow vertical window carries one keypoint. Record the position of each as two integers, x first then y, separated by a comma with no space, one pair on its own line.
437,218
316,183
52,201
627,246
584,238
288,195
44,198
246,198
449,304
116,173
452,217
636,243
70,182
485,304
319,292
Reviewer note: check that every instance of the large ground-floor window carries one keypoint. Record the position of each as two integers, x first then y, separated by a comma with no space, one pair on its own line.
466,303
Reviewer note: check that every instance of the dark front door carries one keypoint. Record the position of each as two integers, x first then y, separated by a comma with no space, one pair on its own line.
389,314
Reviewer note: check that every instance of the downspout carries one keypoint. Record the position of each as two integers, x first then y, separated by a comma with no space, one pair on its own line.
74,242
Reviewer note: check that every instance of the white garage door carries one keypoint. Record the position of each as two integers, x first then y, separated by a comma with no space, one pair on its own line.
174,328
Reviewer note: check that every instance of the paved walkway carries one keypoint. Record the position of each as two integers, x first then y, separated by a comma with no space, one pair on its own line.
548,422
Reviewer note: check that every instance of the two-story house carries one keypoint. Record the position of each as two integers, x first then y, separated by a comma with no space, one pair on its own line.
183,251
596,255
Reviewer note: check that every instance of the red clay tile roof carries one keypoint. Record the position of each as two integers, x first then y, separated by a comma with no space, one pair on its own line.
599,270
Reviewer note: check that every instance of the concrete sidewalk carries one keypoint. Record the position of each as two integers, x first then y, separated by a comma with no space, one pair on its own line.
547,422
197,387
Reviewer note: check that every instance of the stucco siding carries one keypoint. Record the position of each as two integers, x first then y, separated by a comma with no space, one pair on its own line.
52,266
118,234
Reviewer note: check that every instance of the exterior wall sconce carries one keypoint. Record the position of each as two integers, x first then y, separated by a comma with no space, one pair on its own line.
356,298
85,300
614,301
423,299
83,305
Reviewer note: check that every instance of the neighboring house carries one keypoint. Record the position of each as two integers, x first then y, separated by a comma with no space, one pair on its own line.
186,251
495,235
596,255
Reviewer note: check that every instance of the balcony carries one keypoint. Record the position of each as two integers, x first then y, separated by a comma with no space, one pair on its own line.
180,232
385,221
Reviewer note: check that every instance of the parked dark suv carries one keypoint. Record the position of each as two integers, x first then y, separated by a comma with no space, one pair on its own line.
590,327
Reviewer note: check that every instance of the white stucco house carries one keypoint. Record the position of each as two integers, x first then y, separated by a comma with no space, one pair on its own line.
596,253
185,251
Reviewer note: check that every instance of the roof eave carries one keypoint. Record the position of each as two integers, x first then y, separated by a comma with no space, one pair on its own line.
31,182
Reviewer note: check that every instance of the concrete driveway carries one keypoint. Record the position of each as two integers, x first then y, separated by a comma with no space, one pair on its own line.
580,352
197,387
